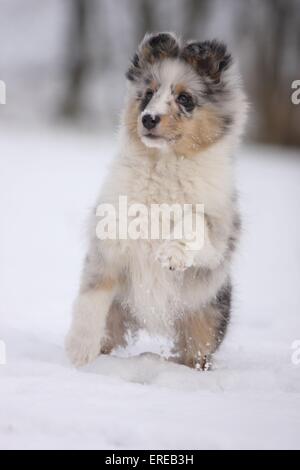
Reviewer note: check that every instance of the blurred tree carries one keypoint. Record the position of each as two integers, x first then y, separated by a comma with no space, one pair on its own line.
77,60
273,28
196,16
269,30
146,17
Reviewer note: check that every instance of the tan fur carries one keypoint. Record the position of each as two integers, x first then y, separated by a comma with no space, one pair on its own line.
131,121
199,132
116,327
197,337
105,284
179,88
187,136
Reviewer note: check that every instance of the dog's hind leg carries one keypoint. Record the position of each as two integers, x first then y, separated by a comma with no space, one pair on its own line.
199,334
119,322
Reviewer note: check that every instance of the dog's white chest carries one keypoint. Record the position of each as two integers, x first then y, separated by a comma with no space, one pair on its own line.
153,291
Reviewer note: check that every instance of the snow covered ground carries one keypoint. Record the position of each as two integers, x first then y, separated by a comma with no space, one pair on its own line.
48,182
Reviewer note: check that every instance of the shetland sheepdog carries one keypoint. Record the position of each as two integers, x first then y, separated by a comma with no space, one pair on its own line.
184,114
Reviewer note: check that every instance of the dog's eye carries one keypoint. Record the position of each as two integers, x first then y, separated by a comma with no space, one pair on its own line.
146,99
185,100
149,94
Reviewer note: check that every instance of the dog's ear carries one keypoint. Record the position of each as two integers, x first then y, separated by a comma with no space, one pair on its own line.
159,46
208,58
135,69
154,47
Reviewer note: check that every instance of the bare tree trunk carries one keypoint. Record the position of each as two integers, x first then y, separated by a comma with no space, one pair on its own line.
78,57
146,17
272,76
197,12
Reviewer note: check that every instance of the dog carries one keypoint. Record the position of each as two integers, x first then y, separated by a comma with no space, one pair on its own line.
184,115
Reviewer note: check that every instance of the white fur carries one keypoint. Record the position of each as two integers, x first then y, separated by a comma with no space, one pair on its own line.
87,333
155,294
155,144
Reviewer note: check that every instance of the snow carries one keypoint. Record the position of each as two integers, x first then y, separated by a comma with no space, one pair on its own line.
48,182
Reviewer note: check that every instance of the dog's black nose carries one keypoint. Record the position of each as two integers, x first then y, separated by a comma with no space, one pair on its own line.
149,122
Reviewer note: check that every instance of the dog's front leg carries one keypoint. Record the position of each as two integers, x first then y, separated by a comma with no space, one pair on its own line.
200,250
88,328
87,332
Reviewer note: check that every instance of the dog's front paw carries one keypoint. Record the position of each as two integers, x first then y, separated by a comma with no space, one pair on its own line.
175,255
82,348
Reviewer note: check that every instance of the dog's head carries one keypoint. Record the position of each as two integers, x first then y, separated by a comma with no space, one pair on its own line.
182,95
